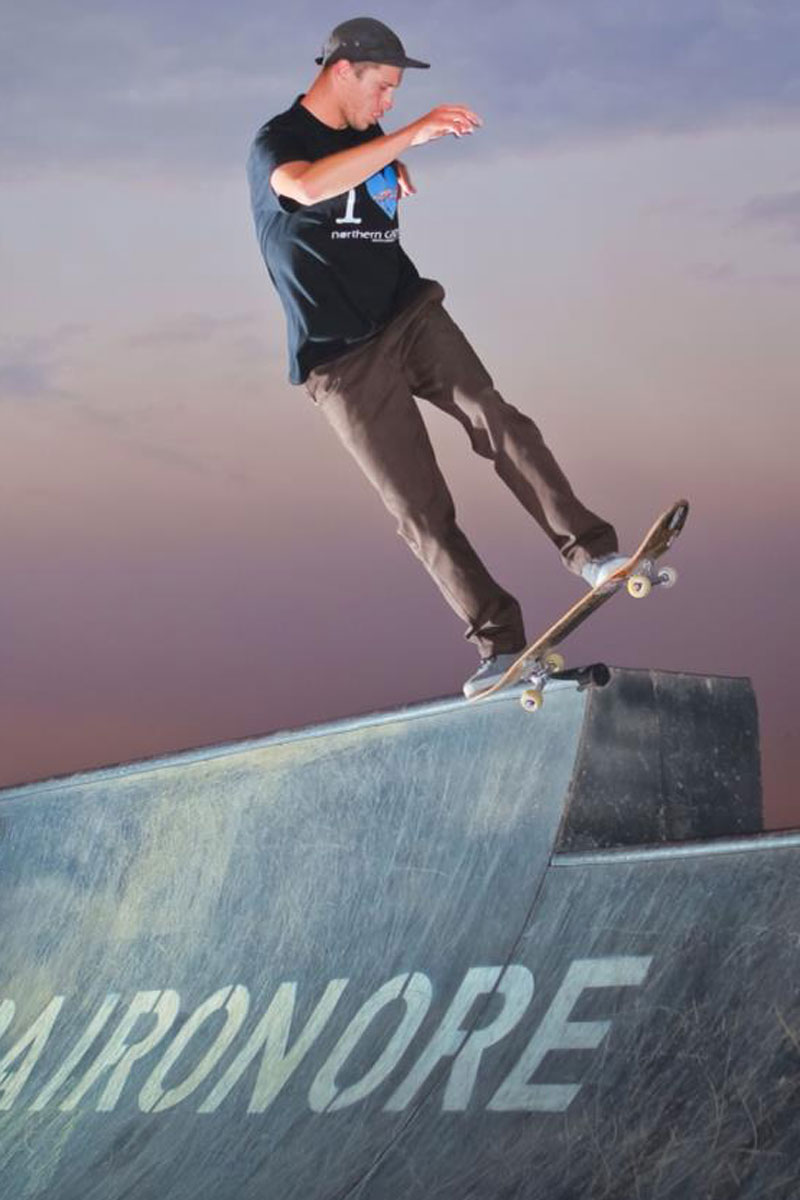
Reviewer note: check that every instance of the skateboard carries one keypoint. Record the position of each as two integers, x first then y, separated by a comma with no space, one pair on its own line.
539,662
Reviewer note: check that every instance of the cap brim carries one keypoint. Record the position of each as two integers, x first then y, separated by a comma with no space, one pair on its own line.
404,62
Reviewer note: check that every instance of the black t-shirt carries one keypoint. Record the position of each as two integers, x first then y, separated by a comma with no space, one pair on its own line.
338,265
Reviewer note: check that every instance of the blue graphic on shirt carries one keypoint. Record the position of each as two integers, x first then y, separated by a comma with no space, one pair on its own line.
382,187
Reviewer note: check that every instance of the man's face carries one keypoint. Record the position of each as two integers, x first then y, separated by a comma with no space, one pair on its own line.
366,100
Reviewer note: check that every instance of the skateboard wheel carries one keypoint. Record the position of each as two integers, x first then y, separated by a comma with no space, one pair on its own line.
639,586
531,699
554,662
668,577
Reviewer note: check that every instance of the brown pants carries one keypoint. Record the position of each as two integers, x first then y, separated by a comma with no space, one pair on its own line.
367,395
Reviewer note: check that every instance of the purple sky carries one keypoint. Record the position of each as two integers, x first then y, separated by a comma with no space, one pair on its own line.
188,557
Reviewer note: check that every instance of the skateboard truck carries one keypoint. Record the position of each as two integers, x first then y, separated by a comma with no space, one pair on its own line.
648,576
593,675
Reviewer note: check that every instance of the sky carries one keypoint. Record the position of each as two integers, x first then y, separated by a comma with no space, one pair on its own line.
188,556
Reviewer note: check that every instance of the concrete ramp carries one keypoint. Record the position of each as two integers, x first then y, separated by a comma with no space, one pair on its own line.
455,951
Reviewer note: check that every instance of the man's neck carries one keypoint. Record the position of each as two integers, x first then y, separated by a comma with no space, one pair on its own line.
321,105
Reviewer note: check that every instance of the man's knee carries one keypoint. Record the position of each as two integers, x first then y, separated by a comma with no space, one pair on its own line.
428,525
493,422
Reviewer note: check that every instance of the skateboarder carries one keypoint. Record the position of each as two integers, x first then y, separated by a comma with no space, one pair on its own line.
367,334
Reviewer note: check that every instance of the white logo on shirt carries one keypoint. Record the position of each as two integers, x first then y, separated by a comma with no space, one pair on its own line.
369,235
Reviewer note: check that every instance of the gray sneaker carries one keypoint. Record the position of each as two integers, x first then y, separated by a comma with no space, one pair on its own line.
597,570
488,673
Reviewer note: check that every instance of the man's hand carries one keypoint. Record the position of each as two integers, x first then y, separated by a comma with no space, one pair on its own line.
447,118
404,180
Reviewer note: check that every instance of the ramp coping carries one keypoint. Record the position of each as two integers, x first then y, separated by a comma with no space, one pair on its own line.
747,844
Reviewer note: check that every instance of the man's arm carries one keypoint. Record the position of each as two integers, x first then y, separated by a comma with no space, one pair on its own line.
404,180
311,183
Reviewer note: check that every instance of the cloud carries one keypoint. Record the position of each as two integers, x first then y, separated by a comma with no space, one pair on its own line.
713,272
192,329
29,370
780,211
727,273
171,86
29,367
181,87
787,279
23,378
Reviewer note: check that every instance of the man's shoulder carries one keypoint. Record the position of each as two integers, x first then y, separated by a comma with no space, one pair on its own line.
290,121
283,138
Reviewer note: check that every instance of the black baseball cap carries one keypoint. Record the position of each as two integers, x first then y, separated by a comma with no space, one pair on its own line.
363,39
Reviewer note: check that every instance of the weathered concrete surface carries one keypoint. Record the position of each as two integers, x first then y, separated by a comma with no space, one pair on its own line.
457,951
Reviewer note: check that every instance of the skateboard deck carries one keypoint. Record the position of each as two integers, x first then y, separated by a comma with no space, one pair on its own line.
537,662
